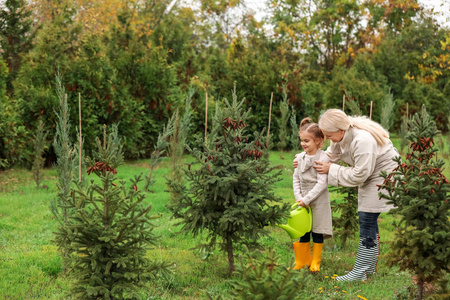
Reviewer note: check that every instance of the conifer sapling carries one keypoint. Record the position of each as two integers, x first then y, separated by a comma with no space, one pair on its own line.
420,193
109,231
229,193
39,147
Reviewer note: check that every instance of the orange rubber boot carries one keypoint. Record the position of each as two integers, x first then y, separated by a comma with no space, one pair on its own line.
302,255
316,257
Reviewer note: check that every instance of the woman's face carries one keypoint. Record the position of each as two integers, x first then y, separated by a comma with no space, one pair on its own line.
334,136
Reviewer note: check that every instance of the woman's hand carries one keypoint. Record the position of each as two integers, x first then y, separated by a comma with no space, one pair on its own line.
322,167
295,162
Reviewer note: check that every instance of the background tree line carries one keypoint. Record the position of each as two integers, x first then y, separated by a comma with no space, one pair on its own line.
133,62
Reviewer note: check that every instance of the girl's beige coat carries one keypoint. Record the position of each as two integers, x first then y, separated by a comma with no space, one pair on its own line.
312,188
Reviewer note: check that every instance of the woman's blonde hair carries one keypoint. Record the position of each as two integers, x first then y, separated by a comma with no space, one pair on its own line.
335,119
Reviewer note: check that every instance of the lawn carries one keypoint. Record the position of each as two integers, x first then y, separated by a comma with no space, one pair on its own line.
31,267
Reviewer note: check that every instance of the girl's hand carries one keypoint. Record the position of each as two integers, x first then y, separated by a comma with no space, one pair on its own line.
295,162
321,167
301,203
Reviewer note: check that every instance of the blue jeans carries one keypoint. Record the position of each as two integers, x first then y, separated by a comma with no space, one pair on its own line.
368,228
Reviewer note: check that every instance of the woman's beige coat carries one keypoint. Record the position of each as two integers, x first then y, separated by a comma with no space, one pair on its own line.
312,188
367,159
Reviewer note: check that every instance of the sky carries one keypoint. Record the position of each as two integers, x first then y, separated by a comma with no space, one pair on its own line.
442,7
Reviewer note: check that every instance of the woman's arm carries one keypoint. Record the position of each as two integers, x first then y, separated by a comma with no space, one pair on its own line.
320,186
365,155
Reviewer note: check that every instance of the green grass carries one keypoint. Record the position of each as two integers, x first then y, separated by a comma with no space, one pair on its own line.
31,267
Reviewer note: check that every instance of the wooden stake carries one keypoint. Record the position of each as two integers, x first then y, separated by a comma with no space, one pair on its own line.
343,103
270,115
206,115
371,104
79,160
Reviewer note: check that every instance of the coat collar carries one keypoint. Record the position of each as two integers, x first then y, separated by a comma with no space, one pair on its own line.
307,162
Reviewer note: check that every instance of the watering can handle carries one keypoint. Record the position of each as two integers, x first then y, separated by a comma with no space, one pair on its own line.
295,206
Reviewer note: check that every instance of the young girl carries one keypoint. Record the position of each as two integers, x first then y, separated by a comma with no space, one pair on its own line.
310,190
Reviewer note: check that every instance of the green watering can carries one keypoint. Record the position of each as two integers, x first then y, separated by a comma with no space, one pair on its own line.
299,223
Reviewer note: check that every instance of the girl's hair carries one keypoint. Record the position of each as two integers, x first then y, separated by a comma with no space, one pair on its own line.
313,128
335,119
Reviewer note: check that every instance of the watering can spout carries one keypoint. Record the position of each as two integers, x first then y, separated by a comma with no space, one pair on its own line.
294,234
299,222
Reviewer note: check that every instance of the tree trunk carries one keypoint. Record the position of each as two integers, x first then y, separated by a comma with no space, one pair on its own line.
419,289
231,267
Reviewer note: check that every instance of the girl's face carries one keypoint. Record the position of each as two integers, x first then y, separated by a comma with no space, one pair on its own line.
334,136
309,143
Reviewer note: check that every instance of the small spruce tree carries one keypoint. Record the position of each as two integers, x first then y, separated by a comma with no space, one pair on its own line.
420,193
230,194
109,231
266,278
39,147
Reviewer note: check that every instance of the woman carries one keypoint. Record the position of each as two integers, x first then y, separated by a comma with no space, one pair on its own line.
365,146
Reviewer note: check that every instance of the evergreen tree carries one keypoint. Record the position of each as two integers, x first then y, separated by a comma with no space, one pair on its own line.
420,193
295,140
179,137
230,194
346,224
39,147
387,110
109,231
64,154
160,148
15,34
282,121
266,278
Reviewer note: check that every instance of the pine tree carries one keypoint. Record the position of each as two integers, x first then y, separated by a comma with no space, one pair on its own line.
39,147
229,195
109,231
419,191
